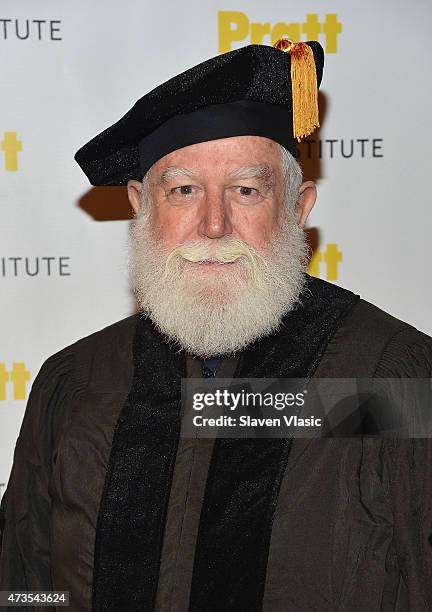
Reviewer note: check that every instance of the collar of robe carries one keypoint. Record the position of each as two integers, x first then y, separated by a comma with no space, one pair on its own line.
244,476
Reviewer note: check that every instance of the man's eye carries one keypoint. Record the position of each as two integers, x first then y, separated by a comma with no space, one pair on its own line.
183,190
248,191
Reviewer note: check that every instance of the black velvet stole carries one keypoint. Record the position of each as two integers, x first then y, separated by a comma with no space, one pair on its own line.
245,474
134,501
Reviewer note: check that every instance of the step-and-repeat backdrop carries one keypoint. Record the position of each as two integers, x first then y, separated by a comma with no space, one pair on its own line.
68,70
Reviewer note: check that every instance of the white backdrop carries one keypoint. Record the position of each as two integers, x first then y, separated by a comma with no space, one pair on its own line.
70,70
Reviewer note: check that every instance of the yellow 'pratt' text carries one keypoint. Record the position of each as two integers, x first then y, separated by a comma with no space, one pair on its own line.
234,27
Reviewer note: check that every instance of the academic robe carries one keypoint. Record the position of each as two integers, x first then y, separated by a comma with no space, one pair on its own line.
107,501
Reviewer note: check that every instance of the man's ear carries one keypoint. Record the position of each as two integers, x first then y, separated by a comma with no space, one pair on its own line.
134,194
307,197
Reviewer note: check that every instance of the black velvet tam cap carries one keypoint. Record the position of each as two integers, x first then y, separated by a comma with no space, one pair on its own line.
245,92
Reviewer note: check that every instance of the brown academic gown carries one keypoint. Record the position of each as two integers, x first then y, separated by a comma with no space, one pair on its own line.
107,501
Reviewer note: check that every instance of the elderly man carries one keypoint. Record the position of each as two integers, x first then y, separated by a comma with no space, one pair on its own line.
106,500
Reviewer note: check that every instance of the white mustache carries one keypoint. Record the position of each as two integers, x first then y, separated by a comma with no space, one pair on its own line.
226,250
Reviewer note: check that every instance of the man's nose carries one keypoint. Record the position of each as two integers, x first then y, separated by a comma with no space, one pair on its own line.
215,221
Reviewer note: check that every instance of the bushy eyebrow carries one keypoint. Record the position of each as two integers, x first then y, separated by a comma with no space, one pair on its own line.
262,172
174,172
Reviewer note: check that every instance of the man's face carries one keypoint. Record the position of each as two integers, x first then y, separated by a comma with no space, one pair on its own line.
218,255
231,186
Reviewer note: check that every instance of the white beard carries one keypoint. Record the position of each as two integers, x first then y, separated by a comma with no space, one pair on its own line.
217,311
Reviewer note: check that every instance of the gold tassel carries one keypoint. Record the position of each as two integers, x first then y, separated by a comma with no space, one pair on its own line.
304,87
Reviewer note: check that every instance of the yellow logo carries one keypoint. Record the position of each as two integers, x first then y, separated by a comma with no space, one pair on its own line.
234,26
331,257
18,376
10,146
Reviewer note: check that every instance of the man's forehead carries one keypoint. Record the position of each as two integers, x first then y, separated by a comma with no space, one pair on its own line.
252,155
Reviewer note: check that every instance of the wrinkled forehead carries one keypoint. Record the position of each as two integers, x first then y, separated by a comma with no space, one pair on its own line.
252,156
